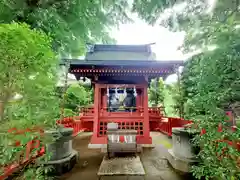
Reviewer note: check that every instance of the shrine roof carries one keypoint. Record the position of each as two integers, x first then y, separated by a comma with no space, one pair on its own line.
120,63
120,60
107,68
101,52
121,48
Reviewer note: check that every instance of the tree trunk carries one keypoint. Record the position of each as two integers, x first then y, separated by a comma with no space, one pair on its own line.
3,103
1,110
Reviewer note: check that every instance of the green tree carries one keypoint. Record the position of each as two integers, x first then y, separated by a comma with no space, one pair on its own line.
156,91
210,80
28,67
174,99
217,82
70,23
200,19
77,96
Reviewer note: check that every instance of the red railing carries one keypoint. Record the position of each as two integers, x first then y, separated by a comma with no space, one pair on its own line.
30,154
87,113
25,157
72,122
167,123
155,111
162,124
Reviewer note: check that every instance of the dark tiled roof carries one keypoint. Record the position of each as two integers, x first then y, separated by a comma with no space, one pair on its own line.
122,48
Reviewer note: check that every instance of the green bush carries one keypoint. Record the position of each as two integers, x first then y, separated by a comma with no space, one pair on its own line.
210,83
77,96
28,67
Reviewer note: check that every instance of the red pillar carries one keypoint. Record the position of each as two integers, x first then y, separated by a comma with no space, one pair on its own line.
145,139
138,99
94,138
104,101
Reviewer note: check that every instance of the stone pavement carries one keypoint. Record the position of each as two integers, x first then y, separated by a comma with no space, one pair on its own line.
153,159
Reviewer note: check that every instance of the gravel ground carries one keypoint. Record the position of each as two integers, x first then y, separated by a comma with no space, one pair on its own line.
153,159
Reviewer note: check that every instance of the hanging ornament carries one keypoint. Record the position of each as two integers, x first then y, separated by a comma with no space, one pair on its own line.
116,92
107,91
135,92
90,48
125,92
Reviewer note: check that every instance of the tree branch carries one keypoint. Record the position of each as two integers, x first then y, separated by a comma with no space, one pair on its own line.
234,11
42,4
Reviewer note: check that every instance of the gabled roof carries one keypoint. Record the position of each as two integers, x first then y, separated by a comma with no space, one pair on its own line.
120,48
102,58
119,52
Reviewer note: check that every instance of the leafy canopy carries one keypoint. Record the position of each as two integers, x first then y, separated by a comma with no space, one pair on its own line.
210,80
211,85
156,91
28,67
70,23
77,96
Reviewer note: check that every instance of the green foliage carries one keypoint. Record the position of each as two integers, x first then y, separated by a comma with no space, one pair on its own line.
69,112
210,80
168,96
77,96
173,14
156,90
169,102
28,67
174,100
215,28
150,10
211,84
71,23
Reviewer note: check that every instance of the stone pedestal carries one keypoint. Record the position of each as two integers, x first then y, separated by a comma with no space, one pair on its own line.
62,156
183,154
182,145
61,166
62,147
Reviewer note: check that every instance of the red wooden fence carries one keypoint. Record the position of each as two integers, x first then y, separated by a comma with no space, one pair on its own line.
24,157
28,156
164,125
72,122
167,123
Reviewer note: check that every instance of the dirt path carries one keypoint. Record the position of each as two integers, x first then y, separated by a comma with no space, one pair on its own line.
90,160
153,159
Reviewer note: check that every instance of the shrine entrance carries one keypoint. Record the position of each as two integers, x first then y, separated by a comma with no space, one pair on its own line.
121,99
120,76
123,104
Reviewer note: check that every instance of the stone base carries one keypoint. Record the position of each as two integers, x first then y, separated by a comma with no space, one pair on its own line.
148,145
63,165
97,146
121,166
104,148
181,164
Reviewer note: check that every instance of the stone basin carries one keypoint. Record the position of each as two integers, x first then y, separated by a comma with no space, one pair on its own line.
62,146
182,145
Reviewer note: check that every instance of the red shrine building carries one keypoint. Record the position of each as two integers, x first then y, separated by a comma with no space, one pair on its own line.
120,76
